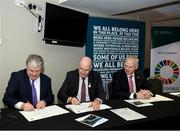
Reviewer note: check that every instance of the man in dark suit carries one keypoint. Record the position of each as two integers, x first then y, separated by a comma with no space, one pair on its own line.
128,83
71,90
22,94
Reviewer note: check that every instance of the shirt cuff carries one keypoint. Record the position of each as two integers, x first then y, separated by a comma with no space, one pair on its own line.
68,100
131,96
18,105
99,100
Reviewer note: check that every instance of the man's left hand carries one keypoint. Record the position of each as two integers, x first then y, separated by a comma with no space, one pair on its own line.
95,104
41,104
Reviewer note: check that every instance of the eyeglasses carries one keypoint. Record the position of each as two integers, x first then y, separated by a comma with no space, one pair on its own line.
130,67
85,70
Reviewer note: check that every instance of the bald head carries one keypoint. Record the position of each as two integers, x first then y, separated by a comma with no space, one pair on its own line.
85,61
85,66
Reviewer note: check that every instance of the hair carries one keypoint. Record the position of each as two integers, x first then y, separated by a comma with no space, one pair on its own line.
35,61
134,58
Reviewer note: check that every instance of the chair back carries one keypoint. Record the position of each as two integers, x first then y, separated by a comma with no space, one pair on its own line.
157,86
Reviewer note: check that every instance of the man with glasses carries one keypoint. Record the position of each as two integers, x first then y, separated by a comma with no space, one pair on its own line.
82,84
129,83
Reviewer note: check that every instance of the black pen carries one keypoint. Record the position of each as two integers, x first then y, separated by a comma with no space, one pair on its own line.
151,93
26,100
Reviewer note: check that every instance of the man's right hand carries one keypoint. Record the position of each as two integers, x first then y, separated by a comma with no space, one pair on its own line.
74,101
27,107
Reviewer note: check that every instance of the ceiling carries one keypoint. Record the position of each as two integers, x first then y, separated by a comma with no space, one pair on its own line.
159,12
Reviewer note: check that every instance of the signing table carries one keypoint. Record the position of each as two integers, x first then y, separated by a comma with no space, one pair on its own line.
162,115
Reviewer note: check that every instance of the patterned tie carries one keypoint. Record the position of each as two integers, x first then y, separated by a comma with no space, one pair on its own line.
83,90
34,95
131,88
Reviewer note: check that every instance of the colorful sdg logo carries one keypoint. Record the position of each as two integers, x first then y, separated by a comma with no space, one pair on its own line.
167,71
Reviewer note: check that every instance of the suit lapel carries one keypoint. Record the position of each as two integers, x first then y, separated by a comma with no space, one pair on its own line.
42,84
125,80
138,81
76,82
90,86
28,87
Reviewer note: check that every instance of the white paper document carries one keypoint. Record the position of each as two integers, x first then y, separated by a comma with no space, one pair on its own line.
84,107
48,111
156,99
91,120
138,103
128,114
175,93
147,102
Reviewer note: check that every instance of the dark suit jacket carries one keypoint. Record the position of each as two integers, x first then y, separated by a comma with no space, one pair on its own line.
120,86
70,86
19,89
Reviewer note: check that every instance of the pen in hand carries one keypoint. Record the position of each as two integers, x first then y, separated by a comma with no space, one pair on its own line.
27,106
26,100
151,93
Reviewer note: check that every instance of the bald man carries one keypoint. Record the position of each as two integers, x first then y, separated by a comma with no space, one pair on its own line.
71,89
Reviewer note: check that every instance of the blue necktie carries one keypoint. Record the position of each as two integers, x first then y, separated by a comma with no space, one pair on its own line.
83,91
34,95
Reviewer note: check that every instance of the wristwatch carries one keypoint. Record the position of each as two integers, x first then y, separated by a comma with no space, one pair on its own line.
135,95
